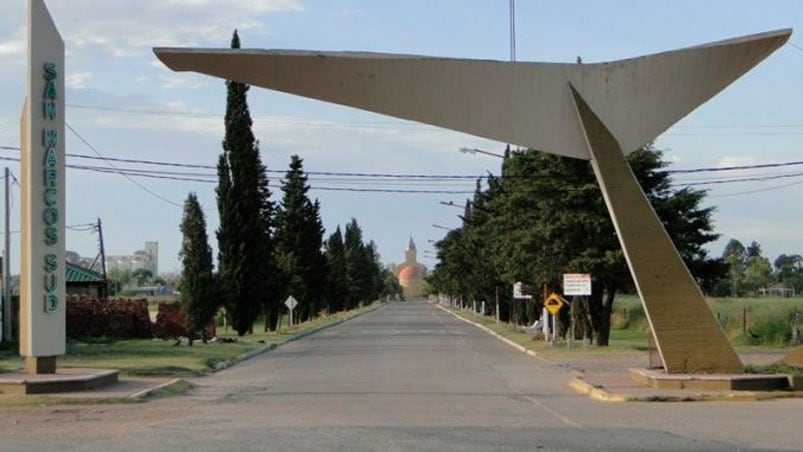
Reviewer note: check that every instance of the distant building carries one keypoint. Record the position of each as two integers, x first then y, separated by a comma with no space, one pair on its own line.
411,274
147,259
80,282
84,283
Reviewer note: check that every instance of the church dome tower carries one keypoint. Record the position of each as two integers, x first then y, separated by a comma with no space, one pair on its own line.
411,274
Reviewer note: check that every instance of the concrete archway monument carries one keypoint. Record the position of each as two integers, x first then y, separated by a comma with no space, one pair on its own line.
598,112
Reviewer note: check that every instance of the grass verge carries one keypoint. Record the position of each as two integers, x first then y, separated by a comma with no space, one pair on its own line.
162,358
628,334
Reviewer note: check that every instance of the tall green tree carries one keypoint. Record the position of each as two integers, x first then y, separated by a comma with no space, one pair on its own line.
299,239
390,284
244,240
757,273
372,256
735,257
547,216
337,291
358,267
789,271
198,295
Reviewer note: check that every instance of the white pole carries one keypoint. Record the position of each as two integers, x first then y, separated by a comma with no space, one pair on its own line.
497,305
7,315
554,329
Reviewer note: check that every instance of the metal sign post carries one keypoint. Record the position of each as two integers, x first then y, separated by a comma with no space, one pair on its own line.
291,304
553,303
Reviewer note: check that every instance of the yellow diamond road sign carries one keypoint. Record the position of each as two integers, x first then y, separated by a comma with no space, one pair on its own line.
553,303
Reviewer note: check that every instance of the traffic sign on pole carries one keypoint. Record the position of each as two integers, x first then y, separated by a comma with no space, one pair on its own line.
553,303
291,304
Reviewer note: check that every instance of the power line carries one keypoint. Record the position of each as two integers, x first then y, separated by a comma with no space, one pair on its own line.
735,167
146,189
311,173
390,179
746,179
402,175
759,190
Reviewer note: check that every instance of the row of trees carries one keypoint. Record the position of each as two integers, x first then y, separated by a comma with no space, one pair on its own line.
545,216
749,270
268,251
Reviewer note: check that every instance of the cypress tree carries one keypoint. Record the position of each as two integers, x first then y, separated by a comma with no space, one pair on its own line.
358,267
299,238
375,267
337,284
244,241
198,298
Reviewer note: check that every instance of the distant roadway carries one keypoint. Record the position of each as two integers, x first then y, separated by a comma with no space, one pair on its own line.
406,376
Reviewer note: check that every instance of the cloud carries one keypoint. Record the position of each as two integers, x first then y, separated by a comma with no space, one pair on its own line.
77,80
108,27
179,81
737,160
12,49
352,13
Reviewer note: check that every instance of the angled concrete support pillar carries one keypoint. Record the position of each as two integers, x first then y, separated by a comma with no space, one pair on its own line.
688,336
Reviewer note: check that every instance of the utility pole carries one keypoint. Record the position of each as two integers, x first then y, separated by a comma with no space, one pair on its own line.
7,311
103,259
512,10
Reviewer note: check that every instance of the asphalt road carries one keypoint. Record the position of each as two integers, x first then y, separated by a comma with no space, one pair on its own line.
407,376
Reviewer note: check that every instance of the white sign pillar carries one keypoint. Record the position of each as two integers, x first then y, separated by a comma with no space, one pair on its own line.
42,271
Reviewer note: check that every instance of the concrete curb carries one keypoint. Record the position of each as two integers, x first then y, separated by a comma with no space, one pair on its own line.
143,394
583,387
293,337
603,395
519,347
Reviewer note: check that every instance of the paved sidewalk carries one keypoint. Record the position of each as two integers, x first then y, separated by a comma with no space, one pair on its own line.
607,377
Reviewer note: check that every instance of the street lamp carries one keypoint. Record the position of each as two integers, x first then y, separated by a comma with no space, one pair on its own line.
451,204
480,151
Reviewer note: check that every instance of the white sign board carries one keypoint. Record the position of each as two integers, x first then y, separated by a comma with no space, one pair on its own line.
576,284
291,303
517,291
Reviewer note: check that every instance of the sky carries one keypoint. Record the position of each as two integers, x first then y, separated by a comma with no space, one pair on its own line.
123,104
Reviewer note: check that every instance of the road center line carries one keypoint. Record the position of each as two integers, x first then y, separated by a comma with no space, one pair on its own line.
551,411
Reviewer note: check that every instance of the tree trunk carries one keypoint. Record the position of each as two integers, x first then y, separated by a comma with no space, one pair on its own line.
594,308
604,329
579,314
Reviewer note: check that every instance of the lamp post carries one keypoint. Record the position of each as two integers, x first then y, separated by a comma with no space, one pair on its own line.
451,204
480,151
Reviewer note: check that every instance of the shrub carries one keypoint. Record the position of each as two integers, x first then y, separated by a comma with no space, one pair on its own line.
170,322
120,318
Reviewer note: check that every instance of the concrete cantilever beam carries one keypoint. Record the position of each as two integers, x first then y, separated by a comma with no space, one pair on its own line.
596,112
527,104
